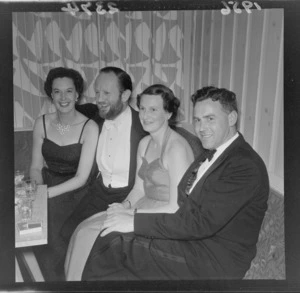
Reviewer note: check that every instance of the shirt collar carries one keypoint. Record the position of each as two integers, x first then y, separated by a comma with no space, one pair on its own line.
225,145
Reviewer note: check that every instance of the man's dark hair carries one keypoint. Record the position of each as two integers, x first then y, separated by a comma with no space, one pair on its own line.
170,102
226,98
60,72
124,79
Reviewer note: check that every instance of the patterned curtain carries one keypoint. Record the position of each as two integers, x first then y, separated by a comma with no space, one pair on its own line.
185,50
148,45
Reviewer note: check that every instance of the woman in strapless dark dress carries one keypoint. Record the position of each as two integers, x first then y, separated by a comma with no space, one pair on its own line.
63,155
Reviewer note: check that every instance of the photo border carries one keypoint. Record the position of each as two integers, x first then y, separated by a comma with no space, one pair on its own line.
291,156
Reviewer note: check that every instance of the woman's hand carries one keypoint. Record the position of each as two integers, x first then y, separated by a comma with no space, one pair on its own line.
118,221
50,192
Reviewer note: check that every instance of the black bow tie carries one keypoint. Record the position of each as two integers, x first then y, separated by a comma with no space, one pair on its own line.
208,154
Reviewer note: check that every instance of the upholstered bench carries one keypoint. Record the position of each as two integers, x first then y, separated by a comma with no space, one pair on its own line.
269,262
23,150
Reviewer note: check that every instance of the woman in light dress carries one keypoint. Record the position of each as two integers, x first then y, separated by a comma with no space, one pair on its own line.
162,159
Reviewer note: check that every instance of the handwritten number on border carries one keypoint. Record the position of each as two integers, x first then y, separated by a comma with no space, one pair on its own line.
73,8
246,4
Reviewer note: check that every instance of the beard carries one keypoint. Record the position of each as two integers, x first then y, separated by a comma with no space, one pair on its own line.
114,111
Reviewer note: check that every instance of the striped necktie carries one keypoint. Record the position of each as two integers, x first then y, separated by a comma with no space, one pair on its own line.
208,154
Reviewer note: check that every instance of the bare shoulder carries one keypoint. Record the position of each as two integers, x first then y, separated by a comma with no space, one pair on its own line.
92,125
38,127
91,131
177,141
39,121
48,117
144,142
178,146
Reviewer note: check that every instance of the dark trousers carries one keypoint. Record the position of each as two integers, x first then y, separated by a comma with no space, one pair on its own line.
125,256
97,200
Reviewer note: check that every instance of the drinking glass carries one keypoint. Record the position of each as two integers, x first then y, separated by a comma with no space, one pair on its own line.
25,209
30,187
19,176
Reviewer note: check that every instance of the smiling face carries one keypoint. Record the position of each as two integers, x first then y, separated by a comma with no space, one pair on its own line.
152,113
64,94
212,124
110,101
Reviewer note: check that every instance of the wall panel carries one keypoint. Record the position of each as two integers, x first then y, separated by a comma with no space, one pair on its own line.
239,56
227,52
267,94
215,48
250,98
206,48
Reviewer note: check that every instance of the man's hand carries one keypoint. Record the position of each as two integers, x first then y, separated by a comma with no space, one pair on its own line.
117,221
116,208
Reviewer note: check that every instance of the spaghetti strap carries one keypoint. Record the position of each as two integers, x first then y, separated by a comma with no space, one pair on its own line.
82,129
44,126
164,145
147,147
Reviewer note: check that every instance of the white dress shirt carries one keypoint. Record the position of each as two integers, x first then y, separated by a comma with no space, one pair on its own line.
113,151
206,164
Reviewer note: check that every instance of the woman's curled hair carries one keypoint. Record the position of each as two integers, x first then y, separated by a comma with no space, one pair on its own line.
60,72
170,102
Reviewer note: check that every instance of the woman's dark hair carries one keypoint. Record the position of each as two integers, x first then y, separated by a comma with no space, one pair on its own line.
170,102
60,72
124,79
226,98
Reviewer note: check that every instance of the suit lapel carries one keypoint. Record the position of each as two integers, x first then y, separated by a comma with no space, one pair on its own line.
183,183
198,187
135,138
99,121
133,141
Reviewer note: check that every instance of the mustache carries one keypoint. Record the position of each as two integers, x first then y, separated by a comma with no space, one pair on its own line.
101,104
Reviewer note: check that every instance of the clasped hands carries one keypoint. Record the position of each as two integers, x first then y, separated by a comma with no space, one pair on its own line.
118,219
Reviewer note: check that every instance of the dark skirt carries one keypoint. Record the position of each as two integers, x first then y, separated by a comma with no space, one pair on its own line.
51,256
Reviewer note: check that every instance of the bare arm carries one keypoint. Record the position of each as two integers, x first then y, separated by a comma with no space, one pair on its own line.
37,161
90,137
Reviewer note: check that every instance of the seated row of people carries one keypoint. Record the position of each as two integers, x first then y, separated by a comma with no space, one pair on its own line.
132,196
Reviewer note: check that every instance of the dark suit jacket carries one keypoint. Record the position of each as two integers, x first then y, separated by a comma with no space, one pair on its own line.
220,220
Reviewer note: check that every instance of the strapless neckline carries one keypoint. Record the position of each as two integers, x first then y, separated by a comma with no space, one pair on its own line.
53,142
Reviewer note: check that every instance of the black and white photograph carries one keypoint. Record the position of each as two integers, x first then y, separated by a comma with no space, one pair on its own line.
150,145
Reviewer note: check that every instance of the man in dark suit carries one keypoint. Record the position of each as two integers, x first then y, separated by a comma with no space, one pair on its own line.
222,202
119,125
